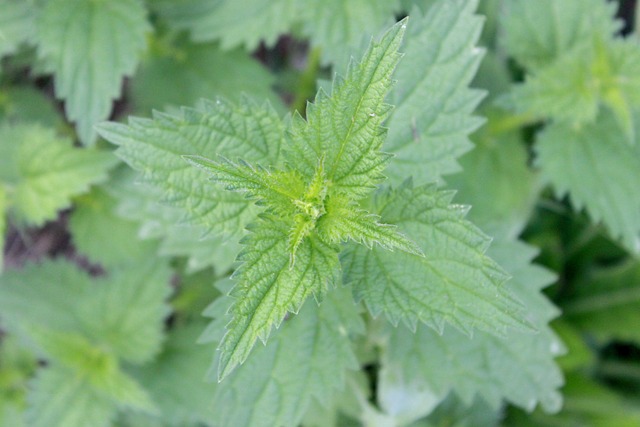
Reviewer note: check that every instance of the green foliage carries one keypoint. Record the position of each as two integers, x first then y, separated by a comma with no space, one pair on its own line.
307,359
111,34
41,172
435,288
16,25
312,180
433,104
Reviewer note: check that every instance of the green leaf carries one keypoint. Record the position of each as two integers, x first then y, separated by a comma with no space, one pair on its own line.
175,378
307,359
233,23
39,295
124,312
345,222
344,129
599,169
3,223
89,47
138,202
575,87
62,399
204,71
586,401
155,147
16,25
606,304
337,27
23,103
454,282
42,171
98,367
103,236
539,32
518,367
127,312
433,103
268,286
497,180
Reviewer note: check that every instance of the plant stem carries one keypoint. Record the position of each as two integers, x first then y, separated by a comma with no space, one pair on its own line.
307,84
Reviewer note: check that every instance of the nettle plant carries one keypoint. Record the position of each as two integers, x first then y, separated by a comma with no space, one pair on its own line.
332,250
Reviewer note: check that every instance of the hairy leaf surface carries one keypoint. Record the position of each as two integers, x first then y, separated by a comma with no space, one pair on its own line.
268,288
155,148
90,46
433,103
454,282
307,359
344,129
517,367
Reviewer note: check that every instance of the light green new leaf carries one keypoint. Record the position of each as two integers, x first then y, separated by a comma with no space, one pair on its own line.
344,129
234,23
539,32
155,147
517,367
90,46
345,222
307,359
338,28
204,71
454,282
16,24
607,304
62,399
42,171
268,286
596,165
433,104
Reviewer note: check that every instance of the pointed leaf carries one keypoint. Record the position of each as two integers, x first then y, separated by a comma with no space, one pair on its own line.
599,169
518,367
89,47
306,360
432,119
155,147
454,282
344,129
268,287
